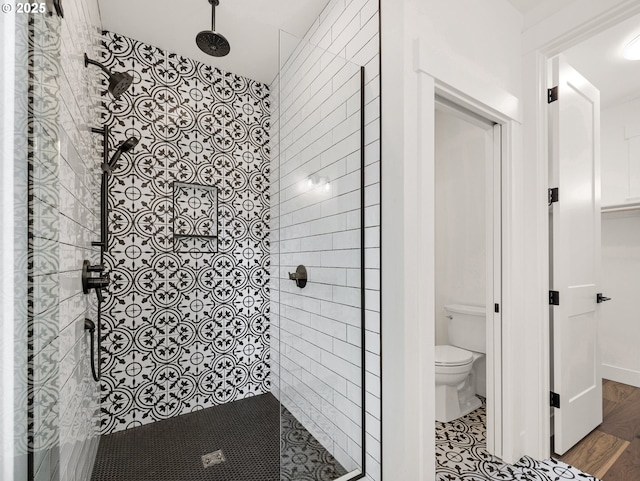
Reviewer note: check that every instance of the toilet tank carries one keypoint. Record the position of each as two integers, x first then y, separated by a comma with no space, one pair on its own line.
467,327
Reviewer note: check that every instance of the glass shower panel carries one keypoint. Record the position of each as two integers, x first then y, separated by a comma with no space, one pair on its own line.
317,218
46,422
13,272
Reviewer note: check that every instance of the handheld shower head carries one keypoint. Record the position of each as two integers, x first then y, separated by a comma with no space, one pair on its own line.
119,82
209,41
124,147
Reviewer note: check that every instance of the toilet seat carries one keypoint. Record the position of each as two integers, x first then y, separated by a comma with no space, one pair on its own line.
451,356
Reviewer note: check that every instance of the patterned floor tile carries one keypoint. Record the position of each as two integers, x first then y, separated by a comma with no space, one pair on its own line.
461,454
529,469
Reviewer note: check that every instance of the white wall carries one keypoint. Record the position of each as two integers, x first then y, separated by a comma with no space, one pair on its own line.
620,318
620,138
472,46
461,149
619,321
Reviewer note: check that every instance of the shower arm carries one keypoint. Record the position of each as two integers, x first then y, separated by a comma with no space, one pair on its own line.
88,61
214,4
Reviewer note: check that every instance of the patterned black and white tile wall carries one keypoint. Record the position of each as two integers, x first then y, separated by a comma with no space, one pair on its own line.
184,329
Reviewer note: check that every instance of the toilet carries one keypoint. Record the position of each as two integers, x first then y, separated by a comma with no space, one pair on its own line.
460,365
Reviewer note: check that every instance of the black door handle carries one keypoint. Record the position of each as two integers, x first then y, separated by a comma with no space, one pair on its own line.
601,298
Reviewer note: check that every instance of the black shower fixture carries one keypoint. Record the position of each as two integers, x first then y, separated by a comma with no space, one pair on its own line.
107,167
119,82
209,41
124,147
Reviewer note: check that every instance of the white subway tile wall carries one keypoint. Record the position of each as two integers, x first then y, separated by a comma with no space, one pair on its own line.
315,221
79,225
64,183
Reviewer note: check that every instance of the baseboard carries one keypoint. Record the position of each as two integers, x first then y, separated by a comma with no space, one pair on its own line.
620,374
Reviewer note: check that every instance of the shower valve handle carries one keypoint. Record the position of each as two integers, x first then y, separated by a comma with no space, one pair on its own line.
97,282
91,282
300,276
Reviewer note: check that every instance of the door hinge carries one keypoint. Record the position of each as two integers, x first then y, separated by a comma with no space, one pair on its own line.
554,298
555,400
496,308
552,94
554,195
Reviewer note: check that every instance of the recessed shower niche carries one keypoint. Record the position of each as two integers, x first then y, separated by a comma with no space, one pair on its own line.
195,221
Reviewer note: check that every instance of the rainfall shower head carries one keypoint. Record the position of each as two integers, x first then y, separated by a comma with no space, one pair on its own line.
119,82
209,41
124,147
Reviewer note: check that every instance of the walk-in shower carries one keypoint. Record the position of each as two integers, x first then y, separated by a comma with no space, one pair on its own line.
211,361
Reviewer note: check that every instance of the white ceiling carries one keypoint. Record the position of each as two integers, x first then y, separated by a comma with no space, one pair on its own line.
535,11
600,60
525,5
251,26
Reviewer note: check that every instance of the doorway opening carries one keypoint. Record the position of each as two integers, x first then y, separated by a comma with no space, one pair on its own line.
468,263
616,371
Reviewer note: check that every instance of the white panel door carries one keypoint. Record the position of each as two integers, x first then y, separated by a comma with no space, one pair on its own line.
575,269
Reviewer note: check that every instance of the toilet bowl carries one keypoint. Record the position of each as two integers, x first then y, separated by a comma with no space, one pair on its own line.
455,392
455,364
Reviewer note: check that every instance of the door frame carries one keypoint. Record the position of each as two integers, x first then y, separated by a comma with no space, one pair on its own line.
577,22
499,387
493,261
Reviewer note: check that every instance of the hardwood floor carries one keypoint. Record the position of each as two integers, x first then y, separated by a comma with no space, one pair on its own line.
612,451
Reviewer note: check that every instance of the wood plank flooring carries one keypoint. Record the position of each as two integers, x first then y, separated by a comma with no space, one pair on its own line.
612,451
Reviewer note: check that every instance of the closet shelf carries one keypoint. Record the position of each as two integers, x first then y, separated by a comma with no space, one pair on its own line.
630,206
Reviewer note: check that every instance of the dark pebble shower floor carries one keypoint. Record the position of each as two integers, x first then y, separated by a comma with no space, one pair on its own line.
260,440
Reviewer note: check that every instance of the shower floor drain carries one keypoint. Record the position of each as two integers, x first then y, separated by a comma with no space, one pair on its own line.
213,458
